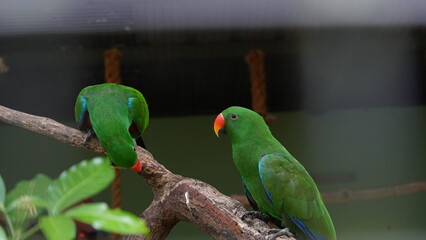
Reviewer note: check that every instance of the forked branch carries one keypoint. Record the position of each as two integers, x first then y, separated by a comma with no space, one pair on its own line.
176,198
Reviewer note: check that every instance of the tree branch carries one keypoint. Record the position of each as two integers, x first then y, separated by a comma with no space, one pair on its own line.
345,196
176,198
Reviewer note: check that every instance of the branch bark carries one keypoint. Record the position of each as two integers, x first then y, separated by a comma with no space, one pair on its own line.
176,198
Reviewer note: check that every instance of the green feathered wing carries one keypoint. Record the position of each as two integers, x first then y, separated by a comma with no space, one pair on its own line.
294,196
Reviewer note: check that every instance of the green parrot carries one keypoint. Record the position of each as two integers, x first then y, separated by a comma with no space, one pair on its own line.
117,114
275,183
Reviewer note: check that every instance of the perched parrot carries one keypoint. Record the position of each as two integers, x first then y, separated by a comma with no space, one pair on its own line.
275,183
117,115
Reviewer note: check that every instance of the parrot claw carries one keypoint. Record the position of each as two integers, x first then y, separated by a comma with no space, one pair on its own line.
89,135
256,214
278,233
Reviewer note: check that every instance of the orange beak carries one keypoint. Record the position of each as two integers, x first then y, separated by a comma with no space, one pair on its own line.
137,167
218,123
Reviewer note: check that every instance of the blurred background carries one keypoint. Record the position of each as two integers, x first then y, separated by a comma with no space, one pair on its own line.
344,79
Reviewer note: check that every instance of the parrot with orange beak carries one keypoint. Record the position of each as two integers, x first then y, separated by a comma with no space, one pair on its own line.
275,183
117,115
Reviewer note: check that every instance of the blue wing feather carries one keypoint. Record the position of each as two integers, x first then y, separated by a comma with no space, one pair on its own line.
133,105
135,127
299,223
251,200
261,178
82,112
130,102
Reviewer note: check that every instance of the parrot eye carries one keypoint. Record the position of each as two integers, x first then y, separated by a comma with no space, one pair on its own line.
234,116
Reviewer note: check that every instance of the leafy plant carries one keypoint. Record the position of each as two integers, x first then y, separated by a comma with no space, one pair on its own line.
49,205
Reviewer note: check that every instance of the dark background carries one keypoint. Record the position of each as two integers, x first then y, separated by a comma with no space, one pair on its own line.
346,82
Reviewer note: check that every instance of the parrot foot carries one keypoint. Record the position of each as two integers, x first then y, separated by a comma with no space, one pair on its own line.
256,214
278,233
89,135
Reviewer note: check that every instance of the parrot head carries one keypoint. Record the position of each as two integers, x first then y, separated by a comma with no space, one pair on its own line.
238,121
125,156
137,167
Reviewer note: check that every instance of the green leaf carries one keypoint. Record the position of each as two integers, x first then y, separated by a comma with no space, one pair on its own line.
79,182
111,220
26,200
2,191
34,187
2,233
57,227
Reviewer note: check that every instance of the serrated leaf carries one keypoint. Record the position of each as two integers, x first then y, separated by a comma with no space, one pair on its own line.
2,234
2,191
34,187
57,227
111,220
79,182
